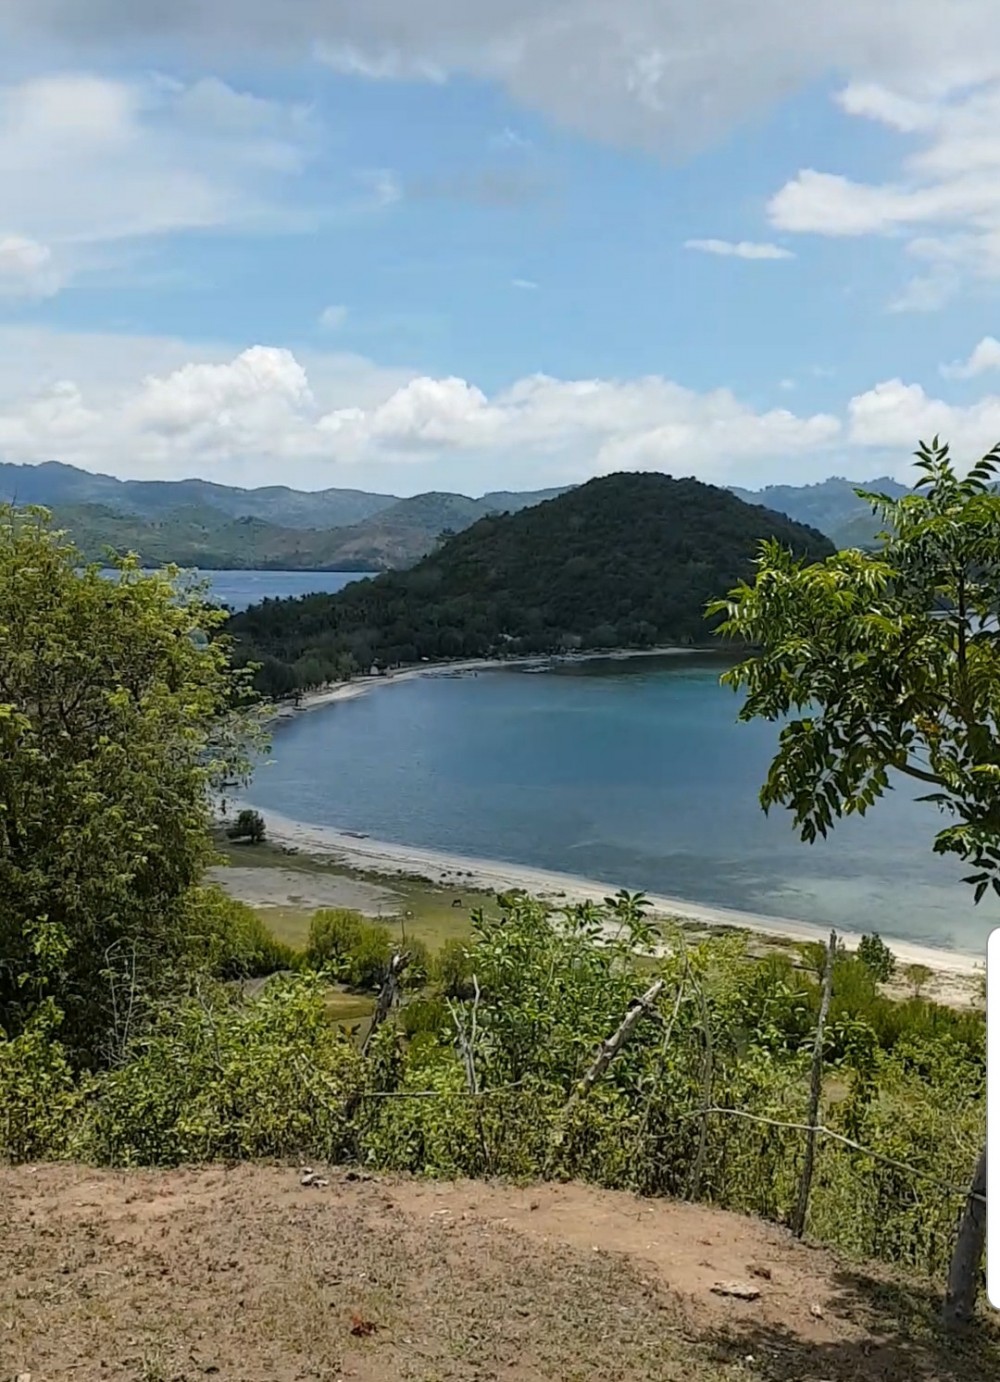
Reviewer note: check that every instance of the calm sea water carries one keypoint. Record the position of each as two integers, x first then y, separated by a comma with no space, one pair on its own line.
632,772
237,589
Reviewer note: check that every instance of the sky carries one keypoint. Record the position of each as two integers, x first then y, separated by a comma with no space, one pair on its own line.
428,244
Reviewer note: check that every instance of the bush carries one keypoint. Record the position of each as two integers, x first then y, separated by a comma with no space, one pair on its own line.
357,950
452,969
248,825
225,1079
416,973
876,956
232,940
40,1101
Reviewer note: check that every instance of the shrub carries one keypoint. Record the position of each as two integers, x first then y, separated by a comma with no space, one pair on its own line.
221,1078
333,932
416,973
357,950
248,825
876,956
232,940
40,1101
452,969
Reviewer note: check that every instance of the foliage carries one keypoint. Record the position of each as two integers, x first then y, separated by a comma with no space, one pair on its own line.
876,956
626,560
40,1100
357,951
894,658
118,719
248,825
231,940
452,969
222,1079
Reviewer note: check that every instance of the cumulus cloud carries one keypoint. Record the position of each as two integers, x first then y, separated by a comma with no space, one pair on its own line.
739,249
986,356
263,413
944,202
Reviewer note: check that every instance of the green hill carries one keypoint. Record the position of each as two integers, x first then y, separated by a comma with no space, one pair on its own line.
627,560
218,527
831,506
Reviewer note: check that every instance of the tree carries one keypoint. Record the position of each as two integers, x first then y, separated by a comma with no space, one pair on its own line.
885,665
877,958
248,825
119,718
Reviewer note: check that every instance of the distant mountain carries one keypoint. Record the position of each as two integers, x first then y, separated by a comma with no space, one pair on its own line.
56,485
627,560
831,506
198,523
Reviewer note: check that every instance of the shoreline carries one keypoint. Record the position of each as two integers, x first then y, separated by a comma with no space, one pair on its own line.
289,709
365,855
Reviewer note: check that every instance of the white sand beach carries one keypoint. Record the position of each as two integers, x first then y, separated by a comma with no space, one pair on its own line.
365,855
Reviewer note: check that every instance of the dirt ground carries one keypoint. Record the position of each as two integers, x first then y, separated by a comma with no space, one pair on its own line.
246,1275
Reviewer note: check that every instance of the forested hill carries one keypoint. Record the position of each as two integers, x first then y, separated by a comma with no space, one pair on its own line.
627,560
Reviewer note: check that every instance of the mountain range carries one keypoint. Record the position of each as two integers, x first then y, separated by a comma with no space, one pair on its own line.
200,523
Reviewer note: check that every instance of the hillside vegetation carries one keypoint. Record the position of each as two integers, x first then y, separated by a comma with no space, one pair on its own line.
220,527
832,506
627,560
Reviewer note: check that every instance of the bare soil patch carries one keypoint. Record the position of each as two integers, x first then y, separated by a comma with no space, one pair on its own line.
246,1275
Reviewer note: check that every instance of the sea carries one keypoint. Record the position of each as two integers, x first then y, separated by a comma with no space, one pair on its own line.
634,772
238,589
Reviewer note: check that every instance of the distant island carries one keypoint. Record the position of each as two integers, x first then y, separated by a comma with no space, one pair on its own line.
624,561
197,523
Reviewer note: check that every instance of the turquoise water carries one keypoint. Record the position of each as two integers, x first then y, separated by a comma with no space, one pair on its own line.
632,772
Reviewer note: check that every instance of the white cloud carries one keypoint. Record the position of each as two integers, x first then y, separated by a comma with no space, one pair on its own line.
27,269
945,201
144,406
986,356
333,317
88,161
894,416
157,407
787,384
739,249
671,76
528,285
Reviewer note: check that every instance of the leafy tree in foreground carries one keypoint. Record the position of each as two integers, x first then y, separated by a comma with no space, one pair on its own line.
117,719
888,662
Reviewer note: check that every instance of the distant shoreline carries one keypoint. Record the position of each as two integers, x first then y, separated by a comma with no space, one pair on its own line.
362,854
288,708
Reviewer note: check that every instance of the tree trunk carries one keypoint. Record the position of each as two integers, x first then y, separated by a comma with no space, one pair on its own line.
963,1276
815,1092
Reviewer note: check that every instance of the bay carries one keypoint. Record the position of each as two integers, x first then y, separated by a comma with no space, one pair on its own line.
238,589
634,772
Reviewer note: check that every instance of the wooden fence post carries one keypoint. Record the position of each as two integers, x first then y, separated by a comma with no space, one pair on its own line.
815,1093
963,1276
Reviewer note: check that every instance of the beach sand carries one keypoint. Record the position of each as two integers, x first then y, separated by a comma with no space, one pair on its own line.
367,856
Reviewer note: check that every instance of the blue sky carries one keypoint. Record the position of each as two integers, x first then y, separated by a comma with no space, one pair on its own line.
445,247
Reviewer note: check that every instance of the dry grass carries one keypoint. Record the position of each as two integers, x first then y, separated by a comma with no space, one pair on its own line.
244,1275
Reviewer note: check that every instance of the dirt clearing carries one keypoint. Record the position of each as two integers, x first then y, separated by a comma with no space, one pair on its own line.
246,1275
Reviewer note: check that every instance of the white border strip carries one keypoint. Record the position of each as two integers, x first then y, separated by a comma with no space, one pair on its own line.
993,1117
